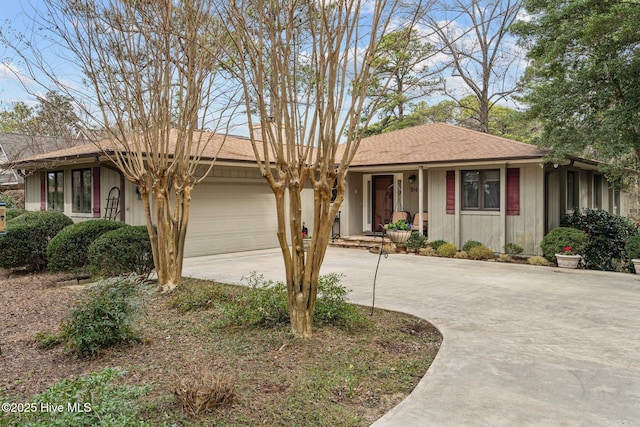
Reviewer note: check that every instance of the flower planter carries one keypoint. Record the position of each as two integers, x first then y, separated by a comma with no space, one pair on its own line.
399,236
636,264
305,242
568,261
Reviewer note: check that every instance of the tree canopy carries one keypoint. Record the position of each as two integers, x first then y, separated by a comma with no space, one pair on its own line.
54,115
583,82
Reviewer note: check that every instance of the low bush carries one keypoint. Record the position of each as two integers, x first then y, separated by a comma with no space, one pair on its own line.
416,241
512,249
538,260
559,238
480,253
197,295
121,251
91,400
68,250
265,303
607,236
204,391
25,244
8,201
13,213
469,244
632,247
436,244
447,250
104,316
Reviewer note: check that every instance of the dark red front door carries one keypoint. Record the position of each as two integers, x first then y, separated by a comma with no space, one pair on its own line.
382,200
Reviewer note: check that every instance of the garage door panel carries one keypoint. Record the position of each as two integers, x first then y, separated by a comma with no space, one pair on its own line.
231,217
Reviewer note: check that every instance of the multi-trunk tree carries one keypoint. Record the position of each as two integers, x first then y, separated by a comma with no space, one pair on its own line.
474,35
305,67
150,78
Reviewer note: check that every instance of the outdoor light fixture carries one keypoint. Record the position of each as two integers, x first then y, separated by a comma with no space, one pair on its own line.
412,179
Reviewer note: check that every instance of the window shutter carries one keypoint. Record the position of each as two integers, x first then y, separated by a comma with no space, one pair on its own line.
513,191
96,192
451,192
43,191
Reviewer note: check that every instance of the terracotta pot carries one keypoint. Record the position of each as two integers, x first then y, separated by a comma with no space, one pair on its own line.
568,261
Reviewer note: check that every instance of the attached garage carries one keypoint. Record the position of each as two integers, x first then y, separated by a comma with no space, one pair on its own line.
231,216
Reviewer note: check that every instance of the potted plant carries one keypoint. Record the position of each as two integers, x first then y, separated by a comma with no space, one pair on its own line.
564,245
632,248
398,232
567,258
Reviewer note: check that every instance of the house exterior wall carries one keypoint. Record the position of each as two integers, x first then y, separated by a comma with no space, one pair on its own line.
442,226
527,229
232,210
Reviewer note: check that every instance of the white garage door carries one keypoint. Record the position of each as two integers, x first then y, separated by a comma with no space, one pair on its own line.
231,217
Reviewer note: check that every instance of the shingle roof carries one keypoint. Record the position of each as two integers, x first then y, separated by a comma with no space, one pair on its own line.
439,143
234,149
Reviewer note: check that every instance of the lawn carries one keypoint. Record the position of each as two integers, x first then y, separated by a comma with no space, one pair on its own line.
344,376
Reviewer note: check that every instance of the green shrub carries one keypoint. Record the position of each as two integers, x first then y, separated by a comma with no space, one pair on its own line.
25,244
470,244
68,249
13,213
47,339
512,249
607,234
480,252
104,316
8,201
265,304
447,250
437,243
198,295
332,307
632,247
559,238
122,251
416,241
92,400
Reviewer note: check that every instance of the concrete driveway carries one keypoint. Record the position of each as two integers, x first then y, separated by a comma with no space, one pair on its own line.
522,345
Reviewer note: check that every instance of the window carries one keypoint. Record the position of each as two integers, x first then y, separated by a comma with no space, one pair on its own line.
481,190
597,191
55,191
81,190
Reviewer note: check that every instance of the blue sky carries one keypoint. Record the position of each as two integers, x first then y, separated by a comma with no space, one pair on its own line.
18,15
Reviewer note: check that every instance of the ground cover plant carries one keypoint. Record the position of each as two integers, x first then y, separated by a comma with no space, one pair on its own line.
343,376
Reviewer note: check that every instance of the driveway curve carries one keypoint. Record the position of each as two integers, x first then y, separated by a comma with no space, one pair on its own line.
523,345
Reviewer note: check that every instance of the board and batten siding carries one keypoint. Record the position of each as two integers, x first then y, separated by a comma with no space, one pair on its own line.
442,226
527,229
492,228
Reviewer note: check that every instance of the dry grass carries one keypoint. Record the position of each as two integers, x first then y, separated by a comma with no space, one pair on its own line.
341,377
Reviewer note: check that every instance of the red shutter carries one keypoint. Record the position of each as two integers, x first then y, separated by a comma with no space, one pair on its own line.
96,192
513,191
43,191
451,192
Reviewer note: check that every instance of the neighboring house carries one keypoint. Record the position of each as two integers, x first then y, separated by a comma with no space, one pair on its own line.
474,186
232,210
18,146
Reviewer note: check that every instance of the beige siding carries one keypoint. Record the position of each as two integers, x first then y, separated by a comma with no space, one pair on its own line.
32,192
527,229
483,227
353,206
441,225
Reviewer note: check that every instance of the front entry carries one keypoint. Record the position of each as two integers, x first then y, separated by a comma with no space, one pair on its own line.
382,200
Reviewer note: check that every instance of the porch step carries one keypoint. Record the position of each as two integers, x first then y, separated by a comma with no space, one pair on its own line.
357,242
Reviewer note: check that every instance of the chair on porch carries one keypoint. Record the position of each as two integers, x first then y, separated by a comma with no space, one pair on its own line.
400,215
425,222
